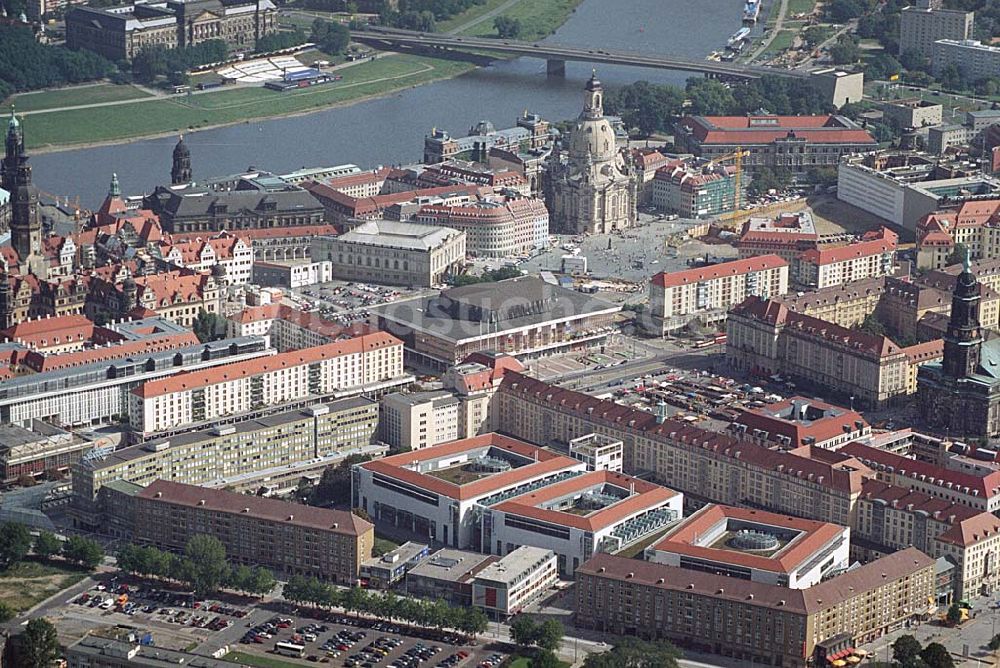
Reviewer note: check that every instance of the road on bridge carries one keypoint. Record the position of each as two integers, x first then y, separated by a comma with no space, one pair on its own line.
556,53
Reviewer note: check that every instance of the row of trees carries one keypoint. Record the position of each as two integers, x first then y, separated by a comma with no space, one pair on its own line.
429,614
332,38
488,276
422,14
653,108
908,653
635,653
153,62
203,566
16,543
27,65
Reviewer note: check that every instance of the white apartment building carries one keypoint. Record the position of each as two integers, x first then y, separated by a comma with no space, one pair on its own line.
973,59
599,511
506,587
95,392
494,226
292,274
598,452
364,363
288,328
433,494
418,420
706,293
872,257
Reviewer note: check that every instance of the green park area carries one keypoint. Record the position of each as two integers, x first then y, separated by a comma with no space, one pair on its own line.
75,96
781,42
796,7
538,18
232,105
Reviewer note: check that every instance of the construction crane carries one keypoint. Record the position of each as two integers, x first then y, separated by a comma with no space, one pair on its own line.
738,211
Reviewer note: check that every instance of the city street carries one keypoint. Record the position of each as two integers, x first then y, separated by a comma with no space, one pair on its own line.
966,642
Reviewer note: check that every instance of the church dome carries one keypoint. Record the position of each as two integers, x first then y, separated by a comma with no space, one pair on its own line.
593,137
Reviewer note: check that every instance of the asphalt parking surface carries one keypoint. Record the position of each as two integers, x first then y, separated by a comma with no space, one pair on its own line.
346,640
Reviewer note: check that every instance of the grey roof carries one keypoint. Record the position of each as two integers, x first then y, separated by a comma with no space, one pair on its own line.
12,436
135,330
406,236
121,369
248,426
145,656
452,565
511,567
491,308
438,397
182,203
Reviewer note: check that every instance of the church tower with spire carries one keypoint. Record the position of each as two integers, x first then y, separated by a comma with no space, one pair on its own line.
15,178
960,396
180,172
964,339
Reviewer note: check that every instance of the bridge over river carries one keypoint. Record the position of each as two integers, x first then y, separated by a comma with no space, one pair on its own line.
556,55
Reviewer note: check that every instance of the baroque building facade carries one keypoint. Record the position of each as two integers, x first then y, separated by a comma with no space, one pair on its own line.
595,189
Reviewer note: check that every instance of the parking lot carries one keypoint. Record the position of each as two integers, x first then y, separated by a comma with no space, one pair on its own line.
149,603
360,642
179,620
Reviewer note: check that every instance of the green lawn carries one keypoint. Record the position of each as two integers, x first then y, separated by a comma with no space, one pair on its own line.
182,112
66,97
470,14
800,6
539,18
781,42
247,659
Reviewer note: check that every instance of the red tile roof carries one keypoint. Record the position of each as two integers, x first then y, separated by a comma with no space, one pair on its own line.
684,538
743,130
984,487
360,206
886,243
824,596
845,475
776,419
925,352
190,380
50,332
646,496
546,462
257,507
774,313
725,269
40,362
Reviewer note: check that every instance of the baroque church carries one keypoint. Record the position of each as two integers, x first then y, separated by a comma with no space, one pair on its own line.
960,396
594,188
